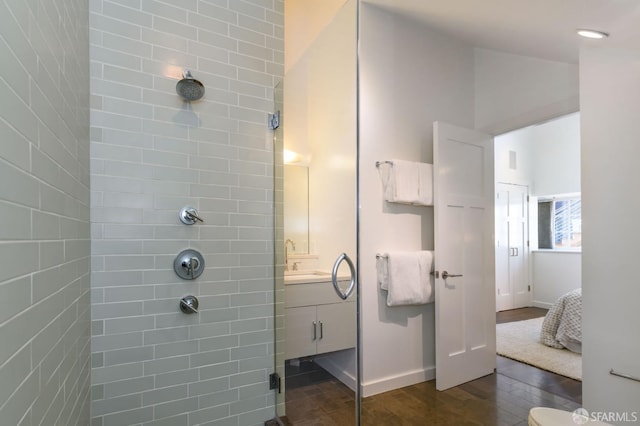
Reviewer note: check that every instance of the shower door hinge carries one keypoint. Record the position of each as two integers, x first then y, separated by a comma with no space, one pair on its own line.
274,382
274,120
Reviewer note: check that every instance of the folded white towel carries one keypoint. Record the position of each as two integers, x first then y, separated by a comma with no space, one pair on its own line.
403,183
382,269
425,186
408,182
410,280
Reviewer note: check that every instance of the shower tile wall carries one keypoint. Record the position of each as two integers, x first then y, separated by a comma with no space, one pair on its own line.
152,154
44,213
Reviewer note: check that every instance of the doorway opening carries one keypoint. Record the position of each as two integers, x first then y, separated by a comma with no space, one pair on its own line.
532,166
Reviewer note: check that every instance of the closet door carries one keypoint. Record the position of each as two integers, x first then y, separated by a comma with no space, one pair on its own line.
504,293
518,242
511,248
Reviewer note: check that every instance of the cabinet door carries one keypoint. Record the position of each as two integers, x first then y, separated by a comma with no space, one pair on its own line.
338,326
300,339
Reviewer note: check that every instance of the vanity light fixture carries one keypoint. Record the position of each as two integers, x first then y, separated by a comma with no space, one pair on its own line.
292,157
591,33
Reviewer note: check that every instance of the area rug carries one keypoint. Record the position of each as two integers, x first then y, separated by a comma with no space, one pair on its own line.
520,340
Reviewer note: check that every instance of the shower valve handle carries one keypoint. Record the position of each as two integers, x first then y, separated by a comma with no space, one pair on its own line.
193,215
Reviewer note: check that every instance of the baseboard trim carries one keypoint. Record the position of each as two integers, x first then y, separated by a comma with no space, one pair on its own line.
543,305
389,383
336,371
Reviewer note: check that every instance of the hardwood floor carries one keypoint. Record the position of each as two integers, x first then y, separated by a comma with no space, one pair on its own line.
519,314
314,397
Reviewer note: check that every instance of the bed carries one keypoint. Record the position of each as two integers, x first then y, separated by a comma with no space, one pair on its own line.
562,326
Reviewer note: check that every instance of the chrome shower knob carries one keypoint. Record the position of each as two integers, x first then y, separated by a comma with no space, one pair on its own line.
189,304
189,215
189,264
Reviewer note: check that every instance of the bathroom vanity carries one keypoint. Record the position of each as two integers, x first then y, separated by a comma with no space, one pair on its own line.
316,319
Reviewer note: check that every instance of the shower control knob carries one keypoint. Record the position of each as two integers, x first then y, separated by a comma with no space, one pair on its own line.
189,305
189,215
188,264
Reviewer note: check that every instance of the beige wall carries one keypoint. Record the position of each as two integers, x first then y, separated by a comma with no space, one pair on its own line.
303,21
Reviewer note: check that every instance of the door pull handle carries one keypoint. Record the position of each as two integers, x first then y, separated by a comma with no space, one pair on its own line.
314,331
321,330
334,276
446,275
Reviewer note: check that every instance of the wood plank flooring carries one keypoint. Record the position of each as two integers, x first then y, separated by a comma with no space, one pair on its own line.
314,397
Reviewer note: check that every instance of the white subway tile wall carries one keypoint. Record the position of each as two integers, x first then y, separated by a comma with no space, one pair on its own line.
45,318
152,154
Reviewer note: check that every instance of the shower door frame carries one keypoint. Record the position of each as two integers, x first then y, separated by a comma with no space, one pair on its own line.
279,261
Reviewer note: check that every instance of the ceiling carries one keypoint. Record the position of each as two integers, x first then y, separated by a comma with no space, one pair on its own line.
539,28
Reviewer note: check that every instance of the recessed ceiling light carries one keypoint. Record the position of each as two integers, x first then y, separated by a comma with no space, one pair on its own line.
592,33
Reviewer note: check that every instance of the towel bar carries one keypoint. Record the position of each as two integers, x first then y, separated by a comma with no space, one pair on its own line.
624,376
378,163
384,256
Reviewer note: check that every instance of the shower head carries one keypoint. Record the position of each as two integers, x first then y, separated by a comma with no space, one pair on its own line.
189,88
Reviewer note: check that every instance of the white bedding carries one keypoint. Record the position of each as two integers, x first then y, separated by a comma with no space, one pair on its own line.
562,326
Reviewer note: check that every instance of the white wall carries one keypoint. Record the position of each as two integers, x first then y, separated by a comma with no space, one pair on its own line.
547,154
410,77
520,142
554,274
556,156
320,123
513,91
548,161
610,101
303,21
45,315
332,115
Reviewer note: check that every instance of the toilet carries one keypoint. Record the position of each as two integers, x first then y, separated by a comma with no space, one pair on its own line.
542,416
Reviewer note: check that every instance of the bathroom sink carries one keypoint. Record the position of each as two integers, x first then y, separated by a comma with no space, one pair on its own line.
299,277
302,277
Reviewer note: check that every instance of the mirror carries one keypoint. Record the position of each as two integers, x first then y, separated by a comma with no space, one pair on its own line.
296,207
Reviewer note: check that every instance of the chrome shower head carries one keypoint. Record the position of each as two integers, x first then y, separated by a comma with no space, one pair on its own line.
189,88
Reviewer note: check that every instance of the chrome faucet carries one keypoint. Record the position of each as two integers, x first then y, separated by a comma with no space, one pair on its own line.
286,252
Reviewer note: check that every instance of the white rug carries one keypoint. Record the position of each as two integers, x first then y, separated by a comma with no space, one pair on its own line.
520,340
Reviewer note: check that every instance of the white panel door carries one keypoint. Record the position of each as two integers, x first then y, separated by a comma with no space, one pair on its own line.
504,293
511,248
464,246
518,237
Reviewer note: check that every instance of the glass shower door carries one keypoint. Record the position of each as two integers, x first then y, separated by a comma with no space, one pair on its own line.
316,229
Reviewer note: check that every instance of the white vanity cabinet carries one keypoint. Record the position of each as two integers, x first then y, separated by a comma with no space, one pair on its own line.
317,320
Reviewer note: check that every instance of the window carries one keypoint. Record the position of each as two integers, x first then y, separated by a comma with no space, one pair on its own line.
560,223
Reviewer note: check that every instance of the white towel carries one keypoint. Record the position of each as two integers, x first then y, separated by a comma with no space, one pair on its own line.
410,281
382,269
403,183
425,186
408,182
